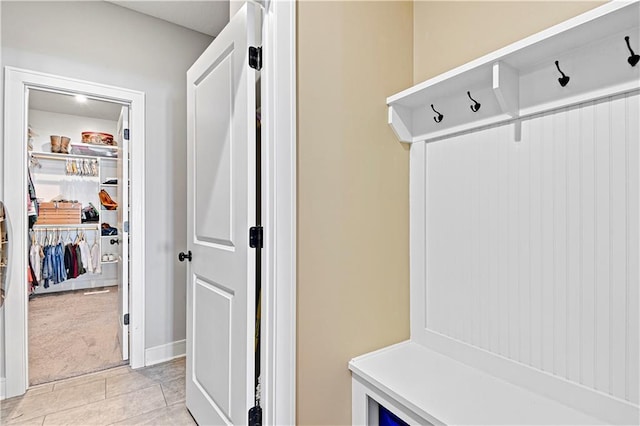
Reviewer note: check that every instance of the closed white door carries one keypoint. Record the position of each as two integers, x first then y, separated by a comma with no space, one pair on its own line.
123,229
221,113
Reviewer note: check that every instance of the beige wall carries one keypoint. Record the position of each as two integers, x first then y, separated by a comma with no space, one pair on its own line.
353,222
450,33
353,186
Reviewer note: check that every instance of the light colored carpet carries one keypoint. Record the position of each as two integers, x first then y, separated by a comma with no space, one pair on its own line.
72,333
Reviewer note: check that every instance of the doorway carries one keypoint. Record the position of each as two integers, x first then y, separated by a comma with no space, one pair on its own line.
78,247
83,185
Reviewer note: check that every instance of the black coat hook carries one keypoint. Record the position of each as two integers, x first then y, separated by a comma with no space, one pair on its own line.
439,117
476,105
634,58
564,80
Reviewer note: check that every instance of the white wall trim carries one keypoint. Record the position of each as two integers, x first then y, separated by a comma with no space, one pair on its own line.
3,390
17,81
279,192
166,352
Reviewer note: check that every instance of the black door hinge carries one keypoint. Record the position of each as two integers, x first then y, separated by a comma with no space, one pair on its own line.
126,319
255,237
255,416
255,57
126,134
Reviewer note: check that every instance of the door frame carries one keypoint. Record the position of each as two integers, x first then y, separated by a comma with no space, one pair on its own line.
17,81
279,210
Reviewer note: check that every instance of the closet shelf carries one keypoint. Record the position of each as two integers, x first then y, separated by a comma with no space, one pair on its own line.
101,150
522,79
105,262
56,156
75,179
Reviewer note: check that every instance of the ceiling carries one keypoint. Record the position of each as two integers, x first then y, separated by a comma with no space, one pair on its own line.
207,17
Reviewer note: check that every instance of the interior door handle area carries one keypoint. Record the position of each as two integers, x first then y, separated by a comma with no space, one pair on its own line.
182,256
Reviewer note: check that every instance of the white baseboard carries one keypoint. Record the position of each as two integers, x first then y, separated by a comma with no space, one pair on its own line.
166,352
3,390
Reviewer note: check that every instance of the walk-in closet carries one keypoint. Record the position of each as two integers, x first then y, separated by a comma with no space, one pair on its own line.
77,204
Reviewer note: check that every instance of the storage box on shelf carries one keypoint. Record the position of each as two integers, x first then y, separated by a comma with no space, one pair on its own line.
59,213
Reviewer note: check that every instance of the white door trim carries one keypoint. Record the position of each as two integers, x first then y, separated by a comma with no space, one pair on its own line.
279,213
15,180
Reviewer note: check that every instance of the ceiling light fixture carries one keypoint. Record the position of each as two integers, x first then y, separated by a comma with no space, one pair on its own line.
81,98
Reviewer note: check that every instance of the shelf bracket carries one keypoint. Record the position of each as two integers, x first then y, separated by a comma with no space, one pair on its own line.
400,120
506,87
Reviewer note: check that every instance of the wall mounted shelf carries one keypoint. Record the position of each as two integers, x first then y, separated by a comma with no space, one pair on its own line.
521,80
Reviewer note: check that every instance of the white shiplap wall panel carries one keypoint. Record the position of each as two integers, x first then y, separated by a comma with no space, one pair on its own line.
532,245
513,233
633,254
503,240
559,246
535,233
587,243
618,227
573,283
603,246
547,236
524,246
486,159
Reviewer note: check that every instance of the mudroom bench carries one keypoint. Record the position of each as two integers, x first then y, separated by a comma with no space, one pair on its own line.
424,387
524,268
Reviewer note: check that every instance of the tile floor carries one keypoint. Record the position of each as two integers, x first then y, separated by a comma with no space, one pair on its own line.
120,396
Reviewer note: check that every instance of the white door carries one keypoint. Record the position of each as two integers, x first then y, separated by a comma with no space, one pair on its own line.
221,153
123,227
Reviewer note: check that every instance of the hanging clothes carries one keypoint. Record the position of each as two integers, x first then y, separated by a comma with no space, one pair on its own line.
73,270
32,201
47,266
81,269
85,254
30,279
53,261
32,213
34,258
69,260
53,265
61,273
95,257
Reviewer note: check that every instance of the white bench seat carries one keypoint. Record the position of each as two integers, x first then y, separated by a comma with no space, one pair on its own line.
440,390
